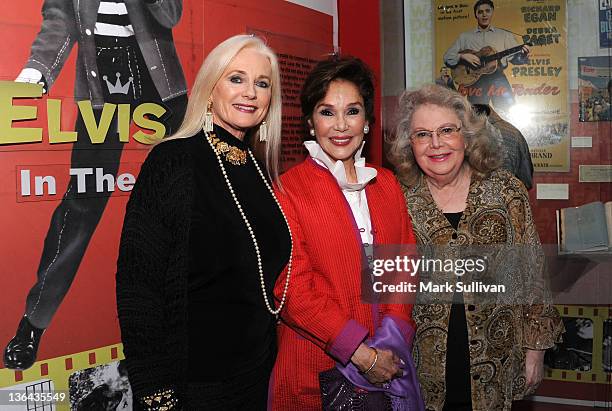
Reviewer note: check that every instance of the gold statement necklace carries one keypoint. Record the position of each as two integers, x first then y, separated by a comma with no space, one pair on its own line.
217,147
232,154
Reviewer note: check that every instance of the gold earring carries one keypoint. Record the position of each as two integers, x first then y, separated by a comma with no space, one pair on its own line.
263,132
208,118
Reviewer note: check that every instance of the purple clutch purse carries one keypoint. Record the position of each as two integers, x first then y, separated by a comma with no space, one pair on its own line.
345,388
338,393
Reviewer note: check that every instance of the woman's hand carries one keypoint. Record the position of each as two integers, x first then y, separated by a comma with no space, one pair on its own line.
534,370
386,368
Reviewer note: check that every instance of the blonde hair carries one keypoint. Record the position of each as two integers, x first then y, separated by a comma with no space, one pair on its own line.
209,74
483,141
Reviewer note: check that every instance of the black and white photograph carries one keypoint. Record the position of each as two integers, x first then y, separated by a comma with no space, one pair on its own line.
102,388
606,348
576,351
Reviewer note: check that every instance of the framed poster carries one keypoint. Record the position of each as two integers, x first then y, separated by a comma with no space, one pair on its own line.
594,88
511,55
605,23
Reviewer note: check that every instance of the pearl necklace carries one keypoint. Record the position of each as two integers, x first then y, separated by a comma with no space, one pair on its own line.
209,138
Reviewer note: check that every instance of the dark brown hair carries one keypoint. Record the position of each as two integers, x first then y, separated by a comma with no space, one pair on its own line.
337,68
481,2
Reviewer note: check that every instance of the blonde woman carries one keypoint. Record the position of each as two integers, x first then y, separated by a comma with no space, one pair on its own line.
204,241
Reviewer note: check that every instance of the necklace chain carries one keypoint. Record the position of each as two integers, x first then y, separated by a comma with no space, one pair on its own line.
209,138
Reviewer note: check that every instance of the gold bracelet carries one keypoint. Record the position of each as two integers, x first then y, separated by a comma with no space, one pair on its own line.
373,363
162,400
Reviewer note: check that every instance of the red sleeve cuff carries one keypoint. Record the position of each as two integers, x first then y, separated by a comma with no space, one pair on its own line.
347,341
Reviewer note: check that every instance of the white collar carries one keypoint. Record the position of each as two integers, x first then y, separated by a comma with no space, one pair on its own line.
364,174
480,30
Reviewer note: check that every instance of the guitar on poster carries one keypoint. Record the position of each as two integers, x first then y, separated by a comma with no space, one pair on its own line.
466,74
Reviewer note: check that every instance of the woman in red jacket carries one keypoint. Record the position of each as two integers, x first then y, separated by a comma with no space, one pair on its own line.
338,208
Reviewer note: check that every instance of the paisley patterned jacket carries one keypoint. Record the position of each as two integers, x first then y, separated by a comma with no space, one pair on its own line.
497,212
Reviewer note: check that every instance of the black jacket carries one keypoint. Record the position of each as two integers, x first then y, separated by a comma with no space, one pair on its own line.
68,21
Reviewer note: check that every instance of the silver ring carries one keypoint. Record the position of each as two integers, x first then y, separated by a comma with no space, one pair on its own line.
386,386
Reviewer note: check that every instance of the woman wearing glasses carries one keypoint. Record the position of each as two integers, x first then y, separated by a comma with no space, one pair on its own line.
447,158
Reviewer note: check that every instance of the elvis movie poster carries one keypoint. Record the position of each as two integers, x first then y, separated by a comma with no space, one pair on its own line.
605,24
512,56
594,88
86,89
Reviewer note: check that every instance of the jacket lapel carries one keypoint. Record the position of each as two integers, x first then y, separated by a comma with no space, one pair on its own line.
87,13
344,211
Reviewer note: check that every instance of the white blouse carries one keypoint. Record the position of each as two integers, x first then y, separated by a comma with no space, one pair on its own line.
354,193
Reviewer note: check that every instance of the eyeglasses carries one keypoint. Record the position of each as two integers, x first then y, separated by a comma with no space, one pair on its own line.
446,133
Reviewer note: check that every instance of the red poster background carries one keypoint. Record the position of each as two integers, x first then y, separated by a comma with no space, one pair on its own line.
87,317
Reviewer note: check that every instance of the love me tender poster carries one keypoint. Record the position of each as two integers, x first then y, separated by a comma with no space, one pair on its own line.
526,85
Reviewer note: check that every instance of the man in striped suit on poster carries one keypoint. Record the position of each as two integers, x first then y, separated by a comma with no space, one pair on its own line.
126,55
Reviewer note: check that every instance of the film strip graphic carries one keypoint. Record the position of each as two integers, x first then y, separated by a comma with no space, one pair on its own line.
585,355
55,374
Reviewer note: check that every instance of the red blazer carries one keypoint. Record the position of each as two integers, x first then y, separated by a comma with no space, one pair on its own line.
324,319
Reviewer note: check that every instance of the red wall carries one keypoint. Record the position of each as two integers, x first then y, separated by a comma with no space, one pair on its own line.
359,36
